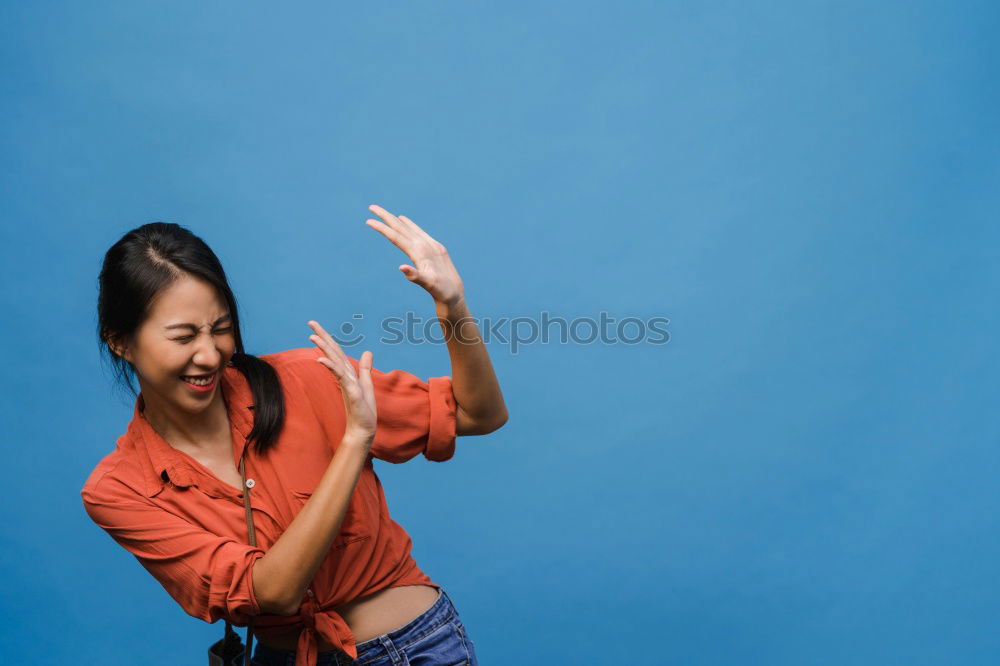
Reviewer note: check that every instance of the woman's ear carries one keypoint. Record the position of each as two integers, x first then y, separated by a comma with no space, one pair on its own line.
119,350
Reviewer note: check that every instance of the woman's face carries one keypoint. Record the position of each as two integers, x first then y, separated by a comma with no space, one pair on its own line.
188,333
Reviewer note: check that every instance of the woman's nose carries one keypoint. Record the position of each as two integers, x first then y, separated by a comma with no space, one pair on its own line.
208,354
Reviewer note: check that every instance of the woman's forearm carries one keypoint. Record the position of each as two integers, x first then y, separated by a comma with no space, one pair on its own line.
480,404
281,576
481,407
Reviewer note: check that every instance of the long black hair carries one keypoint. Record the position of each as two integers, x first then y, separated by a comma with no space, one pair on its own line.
145,261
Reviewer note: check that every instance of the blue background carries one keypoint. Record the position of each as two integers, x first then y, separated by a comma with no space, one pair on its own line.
806,473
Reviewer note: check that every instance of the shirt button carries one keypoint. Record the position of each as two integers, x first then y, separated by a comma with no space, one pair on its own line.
310,592
251,483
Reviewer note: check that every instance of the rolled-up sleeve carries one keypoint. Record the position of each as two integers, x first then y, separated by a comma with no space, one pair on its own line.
441,432
209,575
414,416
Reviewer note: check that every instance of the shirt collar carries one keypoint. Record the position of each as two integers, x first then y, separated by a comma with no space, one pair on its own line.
162,462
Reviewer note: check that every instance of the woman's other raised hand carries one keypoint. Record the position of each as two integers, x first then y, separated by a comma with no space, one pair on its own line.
355,387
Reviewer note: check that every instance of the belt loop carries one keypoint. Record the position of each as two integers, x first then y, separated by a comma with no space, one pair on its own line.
394,654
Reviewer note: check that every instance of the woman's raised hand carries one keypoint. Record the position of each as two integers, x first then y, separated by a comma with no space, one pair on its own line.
355,387
432,268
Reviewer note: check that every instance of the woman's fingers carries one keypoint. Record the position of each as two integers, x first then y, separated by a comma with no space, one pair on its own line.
342,371
328,342
335,359
314,325
390,219
335,368
365,373
394,236
339,365
415,229
399,229
400,224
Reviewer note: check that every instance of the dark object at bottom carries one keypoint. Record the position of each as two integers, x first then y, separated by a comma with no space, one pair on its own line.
228,650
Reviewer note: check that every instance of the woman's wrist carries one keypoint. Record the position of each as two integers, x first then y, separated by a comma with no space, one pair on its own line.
360,440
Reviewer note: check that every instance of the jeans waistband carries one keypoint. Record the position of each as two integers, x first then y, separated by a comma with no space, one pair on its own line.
441,611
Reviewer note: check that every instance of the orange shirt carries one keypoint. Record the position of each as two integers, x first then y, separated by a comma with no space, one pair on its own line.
188,528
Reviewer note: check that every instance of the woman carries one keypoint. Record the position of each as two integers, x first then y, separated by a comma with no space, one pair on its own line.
330,579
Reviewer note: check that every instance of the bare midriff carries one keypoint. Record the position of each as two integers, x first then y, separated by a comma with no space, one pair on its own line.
370,616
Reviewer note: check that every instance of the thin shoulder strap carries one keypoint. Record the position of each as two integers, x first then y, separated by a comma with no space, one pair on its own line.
253,542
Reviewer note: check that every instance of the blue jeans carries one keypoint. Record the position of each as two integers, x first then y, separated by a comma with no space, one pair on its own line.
436,637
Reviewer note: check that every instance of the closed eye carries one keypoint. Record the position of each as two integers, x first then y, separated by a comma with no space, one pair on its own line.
188,338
